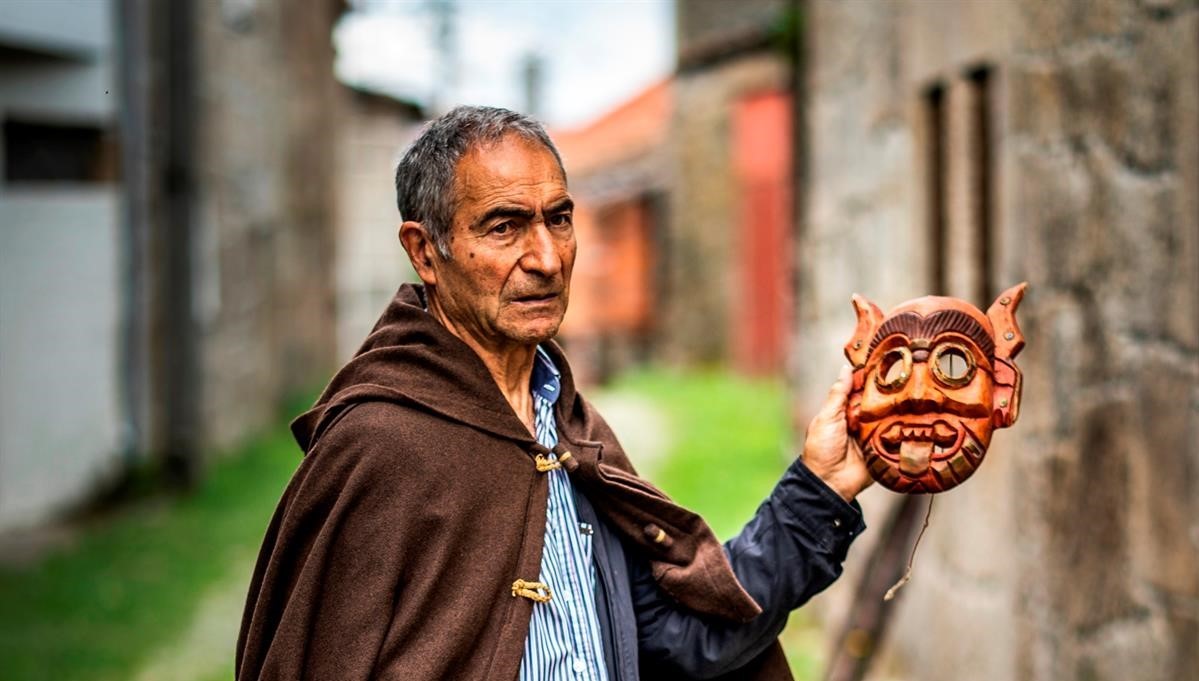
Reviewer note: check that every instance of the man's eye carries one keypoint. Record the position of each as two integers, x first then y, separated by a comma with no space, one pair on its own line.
502,228
561,220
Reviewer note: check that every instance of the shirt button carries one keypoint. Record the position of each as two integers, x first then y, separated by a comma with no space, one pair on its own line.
580,665
836,522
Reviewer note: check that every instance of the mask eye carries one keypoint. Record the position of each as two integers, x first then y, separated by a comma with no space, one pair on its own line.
953,365
894,370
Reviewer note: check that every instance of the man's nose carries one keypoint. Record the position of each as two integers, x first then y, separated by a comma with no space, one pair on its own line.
540,251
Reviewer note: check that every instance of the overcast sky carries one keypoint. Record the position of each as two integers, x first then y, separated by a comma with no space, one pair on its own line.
596,53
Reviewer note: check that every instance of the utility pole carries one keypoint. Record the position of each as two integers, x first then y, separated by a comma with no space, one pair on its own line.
533,79
445,87
181,383
134,85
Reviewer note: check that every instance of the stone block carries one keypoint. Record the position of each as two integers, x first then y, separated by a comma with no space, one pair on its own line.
1138,275
1036,103
947,629
1128,106
1165,476
1182,327
1184,631
1055,326
1086,562
1139,648
1053,191
1042,26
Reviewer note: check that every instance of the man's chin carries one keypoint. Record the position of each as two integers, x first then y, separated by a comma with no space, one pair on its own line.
532,332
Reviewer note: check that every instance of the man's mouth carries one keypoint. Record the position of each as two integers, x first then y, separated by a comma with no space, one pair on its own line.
534,298
916,445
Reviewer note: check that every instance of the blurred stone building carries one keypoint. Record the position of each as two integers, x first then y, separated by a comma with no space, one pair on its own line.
964,147
166,245
729,267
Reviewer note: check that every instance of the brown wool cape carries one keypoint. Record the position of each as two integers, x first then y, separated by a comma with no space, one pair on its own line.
393,551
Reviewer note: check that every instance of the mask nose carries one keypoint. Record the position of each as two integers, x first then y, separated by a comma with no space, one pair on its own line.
923,395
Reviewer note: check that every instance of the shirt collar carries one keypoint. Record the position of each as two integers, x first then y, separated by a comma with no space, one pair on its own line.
546,380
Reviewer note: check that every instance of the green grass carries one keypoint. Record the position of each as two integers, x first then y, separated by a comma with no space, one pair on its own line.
728,441
729,447
130,583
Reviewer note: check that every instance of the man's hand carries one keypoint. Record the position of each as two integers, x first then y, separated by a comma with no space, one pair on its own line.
828,450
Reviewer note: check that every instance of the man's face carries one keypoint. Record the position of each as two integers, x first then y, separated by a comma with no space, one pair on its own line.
512,247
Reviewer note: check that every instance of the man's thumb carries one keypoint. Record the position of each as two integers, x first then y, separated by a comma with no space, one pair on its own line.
835,402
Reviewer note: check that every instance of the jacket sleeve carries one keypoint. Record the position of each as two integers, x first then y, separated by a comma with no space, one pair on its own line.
320,601
789,551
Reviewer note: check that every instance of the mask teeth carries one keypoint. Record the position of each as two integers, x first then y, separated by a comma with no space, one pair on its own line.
972,446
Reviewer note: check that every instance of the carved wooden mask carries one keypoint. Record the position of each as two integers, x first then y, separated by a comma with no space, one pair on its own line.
931,382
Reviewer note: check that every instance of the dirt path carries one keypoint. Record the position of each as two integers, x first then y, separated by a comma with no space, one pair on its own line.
643,430
205,650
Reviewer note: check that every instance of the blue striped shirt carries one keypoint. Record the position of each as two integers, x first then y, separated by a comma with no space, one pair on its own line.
564,634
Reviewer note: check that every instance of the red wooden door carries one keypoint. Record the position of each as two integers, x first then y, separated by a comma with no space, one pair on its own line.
762,302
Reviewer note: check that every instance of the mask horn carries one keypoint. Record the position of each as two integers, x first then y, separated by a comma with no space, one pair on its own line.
1002,313
869,319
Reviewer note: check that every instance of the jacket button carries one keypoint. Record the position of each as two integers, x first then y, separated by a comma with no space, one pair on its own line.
658,535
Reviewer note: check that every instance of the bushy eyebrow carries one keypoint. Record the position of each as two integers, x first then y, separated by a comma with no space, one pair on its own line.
505,211
566,205
563,205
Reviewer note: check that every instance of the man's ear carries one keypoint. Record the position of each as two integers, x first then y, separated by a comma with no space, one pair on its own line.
421,250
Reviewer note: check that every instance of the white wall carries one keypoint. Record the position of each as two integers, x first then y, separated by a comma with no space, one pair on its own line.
59,272
59,312
78,27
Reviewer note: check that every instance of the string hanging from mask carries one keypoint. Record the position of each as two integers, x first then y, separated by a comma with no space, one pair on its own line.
907,574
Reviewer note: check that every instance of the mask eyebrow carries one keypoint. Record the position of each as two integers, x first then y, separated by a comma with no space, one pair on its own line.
914,326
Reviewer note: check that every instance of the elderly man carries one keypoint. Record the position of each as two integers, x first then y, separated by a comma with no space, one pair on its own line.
462,512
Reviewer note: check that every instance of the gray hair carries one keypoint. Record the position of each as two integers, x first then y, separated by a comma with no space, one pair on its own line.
425,175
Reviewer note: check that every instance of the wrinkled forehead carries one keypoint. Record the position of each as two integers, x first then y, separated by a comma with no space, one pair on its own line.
931,316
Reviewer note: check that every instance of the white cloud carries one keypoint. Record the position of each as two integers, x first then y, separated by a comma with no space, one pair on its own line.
596,54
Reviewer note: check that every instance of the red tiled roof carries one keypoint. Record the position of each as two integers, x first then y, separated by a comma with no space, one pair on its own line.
632,128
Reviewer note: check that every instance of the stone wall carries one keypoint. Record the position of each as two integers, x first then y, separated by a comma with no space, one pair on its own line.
1074,552
265,211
